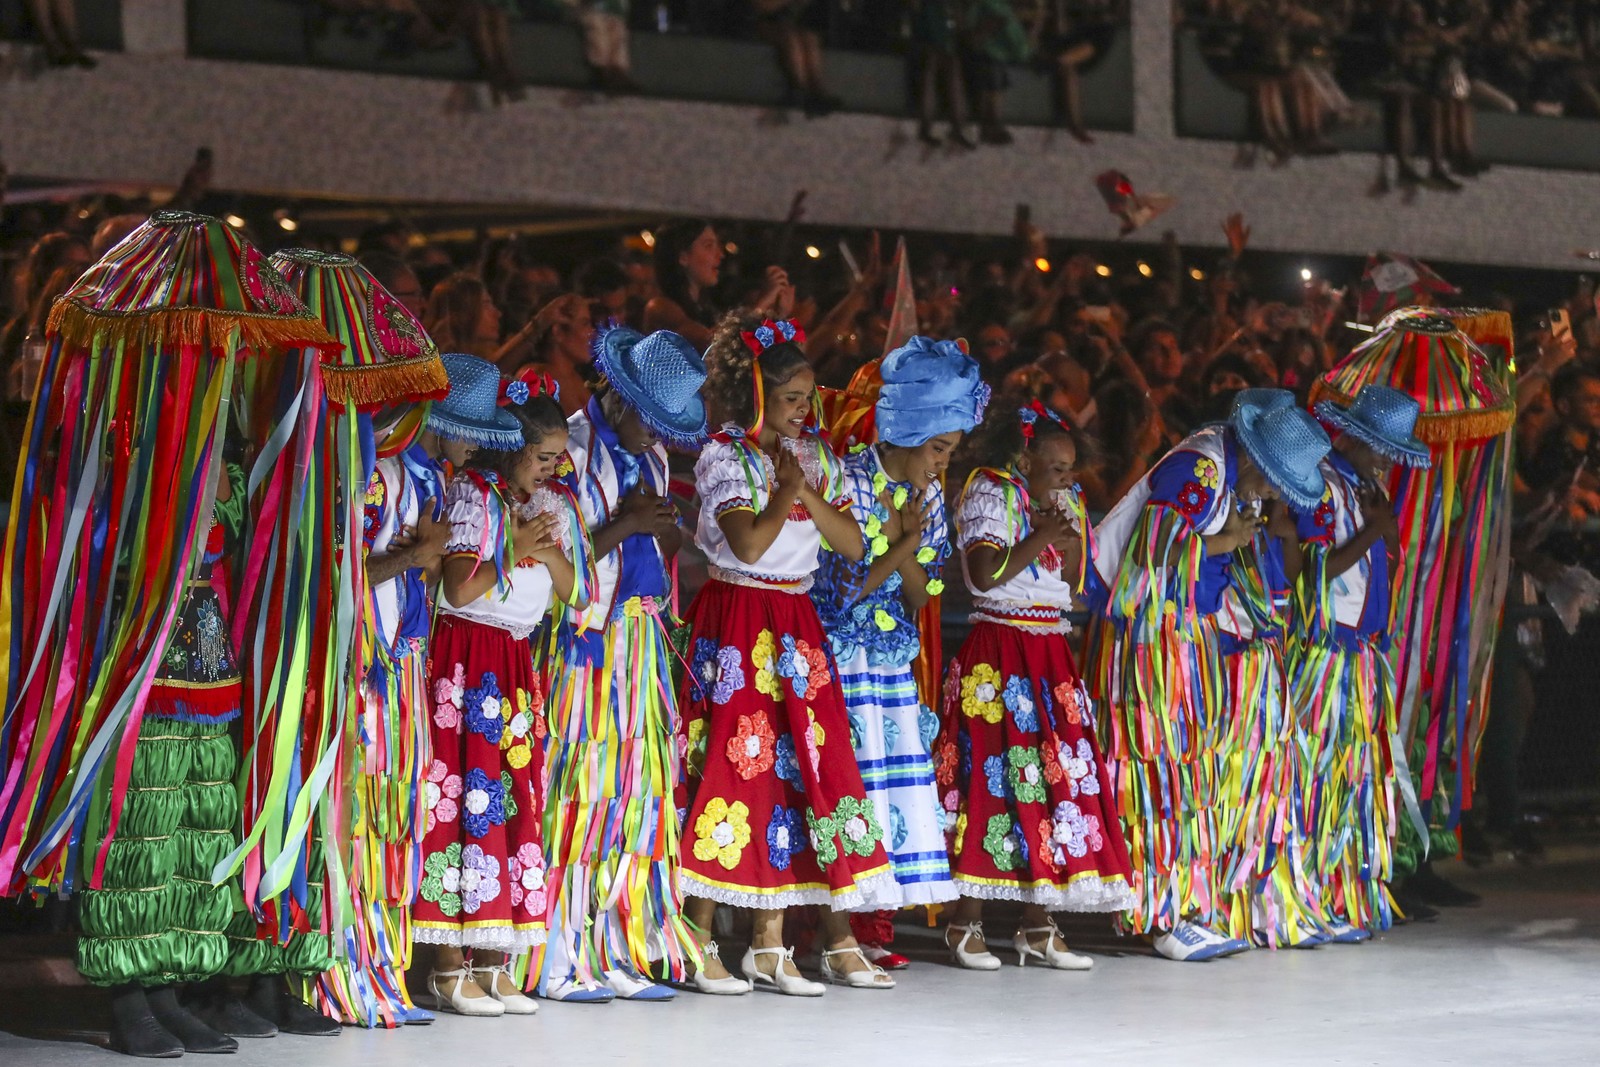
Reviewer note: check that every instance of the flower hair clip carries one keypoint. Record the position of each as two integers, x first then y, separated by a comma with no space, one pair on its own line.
771,333
527,384
1031,413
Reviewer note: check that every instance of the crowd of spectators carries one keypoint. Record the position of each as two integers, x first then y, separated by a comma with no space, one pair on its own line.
1427,64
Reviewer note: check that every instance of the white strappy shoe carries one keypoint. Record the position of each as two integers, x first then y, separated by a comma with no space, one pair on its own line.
790,985
514,1003
972,961
1053,957
731,986
485,1006
872,977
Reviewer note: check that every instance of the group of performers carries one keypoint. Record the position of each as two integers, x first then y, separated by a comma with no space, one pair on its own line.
552,782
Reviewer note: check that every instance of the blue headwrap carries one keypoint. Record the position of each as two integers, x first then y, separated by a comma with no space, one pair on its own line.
929,388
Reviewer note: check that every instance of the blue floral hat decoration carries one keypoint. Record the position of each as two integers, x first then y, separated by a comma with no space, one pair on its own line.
929,388
472,412
1284,441
659,377
1383,419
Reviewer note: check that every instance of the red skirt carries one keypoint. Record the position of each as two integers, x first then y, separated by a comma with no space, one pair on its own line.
1029,811
779,815
483,866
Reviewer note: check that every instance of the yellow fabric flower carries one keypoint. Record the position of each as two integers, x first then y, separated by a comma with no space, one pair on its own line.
925,555
900,496
519,756
980,694
721,832
880,482
874,526
935,587
884,620
880,545
764,657
1205,472
961,833
816,731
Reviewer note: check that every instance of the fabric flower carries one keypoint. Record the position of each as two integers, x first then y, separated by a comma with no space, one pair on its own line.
891,735
508,792
764,658
531,703
785,763
484,803
703,669
1205,472
804,666
898,830
480,878
858,728
786,835
483,709
695,746
1019,701
926,555
527,871
980,692
927,727
1071,701
859,828
1323,515
1073,832
1049,750
815,739
1002,844
448,695
441,879
1078,768
994,772
935,586
751,748
439,792
730,675
945,759
721,832
1024,775
1192,499
883,620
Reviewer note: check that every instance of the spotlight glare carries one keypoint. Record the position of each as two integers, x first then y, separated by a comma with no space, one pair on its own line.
1102,270
648,238
1197,274
1042,265
234,220
813,251
1305,274
1144,268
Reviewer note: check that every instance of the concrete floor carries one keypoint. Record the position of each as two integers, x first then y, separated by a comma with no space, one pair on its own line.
1516,981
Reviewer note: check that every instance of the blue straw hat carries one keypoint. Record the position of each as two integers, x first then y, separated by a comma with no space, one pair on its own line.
471,412
1284,441
1382,418
929,388
659,377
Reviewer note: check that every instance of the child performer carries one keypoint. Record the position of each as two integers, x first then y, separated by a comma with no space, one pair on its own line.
611,827
932,395
779,816
1338,656
1164,553
1025,792
514,534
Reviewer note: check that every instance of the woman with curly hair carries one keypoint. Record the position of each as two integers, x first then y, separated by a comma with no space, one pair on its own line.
1025,796
779,815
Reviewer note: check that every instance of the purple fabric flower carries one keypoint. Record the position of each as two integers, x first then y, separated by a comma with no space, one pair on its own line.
480,878
730,675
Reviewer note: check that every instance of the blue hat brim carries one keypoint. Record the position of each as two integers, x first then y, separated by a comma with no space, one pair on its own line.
685,428
1303,492
1410,451
502,435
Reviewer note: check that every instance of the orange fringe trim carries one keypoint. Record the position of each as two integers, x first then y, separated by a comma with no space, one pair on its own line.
220,331
374,385
1440,428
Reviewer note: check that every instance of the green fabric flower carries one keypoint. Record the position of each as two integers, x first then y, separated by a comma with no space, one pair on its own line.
824,835
1027,780
880,545
440,871
510,801
880,482
926,555
859,828
900,496
874,526
1001,844
935,587
884,620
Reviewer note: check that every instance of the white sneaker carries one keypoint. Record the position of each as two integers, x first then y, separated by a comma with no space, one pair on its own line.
1192,943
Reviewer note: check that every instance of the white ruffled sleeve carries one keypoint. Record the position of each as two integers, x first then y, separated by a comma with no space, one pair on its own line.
472,531
982,518
724,483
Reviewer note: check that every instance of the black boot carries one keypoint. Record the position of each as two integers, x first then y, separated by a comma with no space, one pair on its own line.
195,1035
134,1030
1427,885
269,997
215,1004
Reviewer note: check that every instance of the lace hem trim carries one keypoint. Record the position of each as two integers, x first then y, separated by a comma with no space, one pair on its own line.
1088,894
495,939
1029,621
878,893
914,894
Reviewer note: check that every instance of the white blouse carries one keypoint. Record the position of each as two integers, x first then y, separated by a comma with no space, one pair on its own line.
477,529
983,518
600,500
732,475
